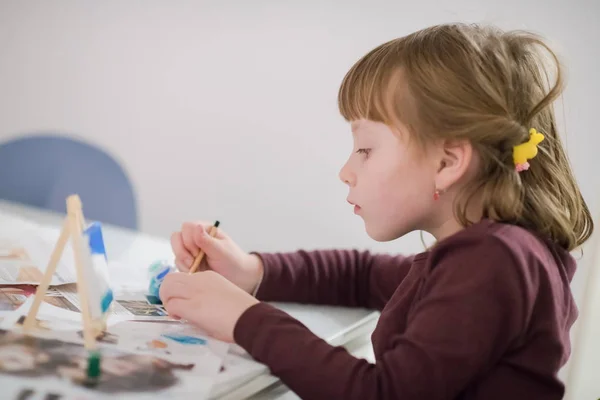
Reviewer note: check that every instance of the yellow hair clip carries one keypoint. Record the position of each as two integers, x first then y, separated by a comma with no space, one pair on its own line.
526,151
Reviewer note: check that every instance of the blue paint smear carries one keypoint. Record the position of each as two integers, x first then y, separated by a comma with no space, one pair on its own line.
161,270
162,275
185,339
106,301
95,239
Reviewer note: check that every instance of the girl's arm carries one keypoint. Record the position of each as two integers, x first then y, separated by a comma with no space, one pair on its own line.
473,305
334,277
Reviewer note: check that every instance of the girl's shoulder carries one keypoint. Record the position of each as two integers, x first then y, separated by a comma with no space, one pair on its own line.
524,249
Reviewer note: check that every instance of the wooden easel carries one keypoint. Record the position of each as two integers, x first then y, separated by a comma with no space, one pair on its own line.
72,228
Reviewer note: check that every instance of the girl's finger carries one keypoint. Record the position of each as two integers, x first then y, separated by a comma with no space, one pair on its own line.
176,285
181,253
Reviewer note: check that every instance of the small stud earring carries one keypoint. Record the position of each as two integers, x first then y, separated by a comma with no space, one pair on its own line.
436,195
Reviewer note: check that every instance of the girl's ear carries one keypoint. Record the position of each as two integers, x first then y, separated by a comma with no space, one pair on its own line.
454,159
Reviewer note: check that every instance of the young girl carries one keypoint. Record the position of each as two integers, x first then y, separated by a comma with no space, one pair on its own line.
454,134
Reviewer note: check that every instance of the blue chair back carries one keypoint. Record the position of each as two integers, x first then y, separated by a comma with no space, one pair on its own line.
42,171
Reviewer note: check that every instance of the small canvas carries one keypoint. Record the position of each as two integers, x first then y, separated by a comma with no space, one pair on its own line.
95,270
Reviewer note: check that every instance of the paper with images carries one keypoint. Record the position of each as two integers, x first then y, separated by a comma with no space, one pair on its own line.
12,297
15,274
131,306
56,312
175,341
169,360
140,309
24,260
49,317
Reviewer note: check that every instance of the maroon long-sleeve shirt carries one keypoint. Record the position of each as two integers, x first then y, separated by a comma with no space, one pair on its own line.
485,314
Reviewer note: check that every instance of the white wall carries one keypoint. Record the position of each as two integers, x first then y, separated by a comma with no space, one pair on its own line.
236,101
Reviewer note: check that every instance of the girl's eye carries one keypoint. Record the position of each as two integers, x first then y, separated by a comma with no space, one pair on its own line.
363,151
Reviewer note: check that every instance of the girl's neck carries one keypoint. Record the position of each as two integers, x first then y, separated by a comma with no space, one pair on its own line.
445,228
446,223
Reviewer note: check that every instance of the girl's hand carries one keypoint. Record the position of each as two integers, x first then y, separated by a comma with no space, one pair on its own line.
207,300
223,255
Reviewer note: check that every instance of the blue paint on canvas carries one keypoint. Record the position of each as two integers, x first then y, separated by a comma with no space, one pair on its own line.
96,271
107,300
96,241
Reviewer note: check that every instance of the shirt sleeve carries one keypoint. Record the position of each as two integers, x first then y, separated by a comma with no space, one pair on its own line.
348,278
472,306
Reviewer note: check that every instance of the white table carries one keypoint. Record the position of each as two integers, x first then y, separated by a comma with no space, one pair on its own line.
135,251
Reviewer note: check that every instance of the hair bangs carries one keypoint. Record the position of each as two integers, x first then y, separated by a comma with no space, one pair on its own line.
368,86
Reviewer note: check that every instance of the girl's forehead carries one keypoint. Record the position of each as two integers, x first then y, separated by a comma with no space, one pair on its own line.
373,129
364,124
355,124
354,127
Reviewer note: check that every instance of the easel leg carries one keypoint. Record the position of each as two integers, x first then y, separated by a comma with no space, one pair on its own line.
75,223
45,283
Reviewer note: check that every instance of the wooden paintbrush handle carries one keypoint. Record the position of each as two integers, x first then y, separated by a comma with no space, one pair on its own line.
212,231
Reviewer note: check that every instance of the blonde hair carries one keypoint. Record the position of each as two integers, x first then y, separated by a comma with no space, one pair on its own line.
459,81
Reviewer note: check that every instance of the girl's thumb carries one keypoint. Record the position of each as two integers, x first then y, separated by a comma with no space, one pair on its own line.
205,241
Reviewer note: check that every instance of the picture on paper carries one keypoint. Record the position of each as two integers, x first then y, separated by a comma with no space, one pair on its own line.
19,274
17,268
12,253
12,297
142,308
31,394
122,372
174,342
103,337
